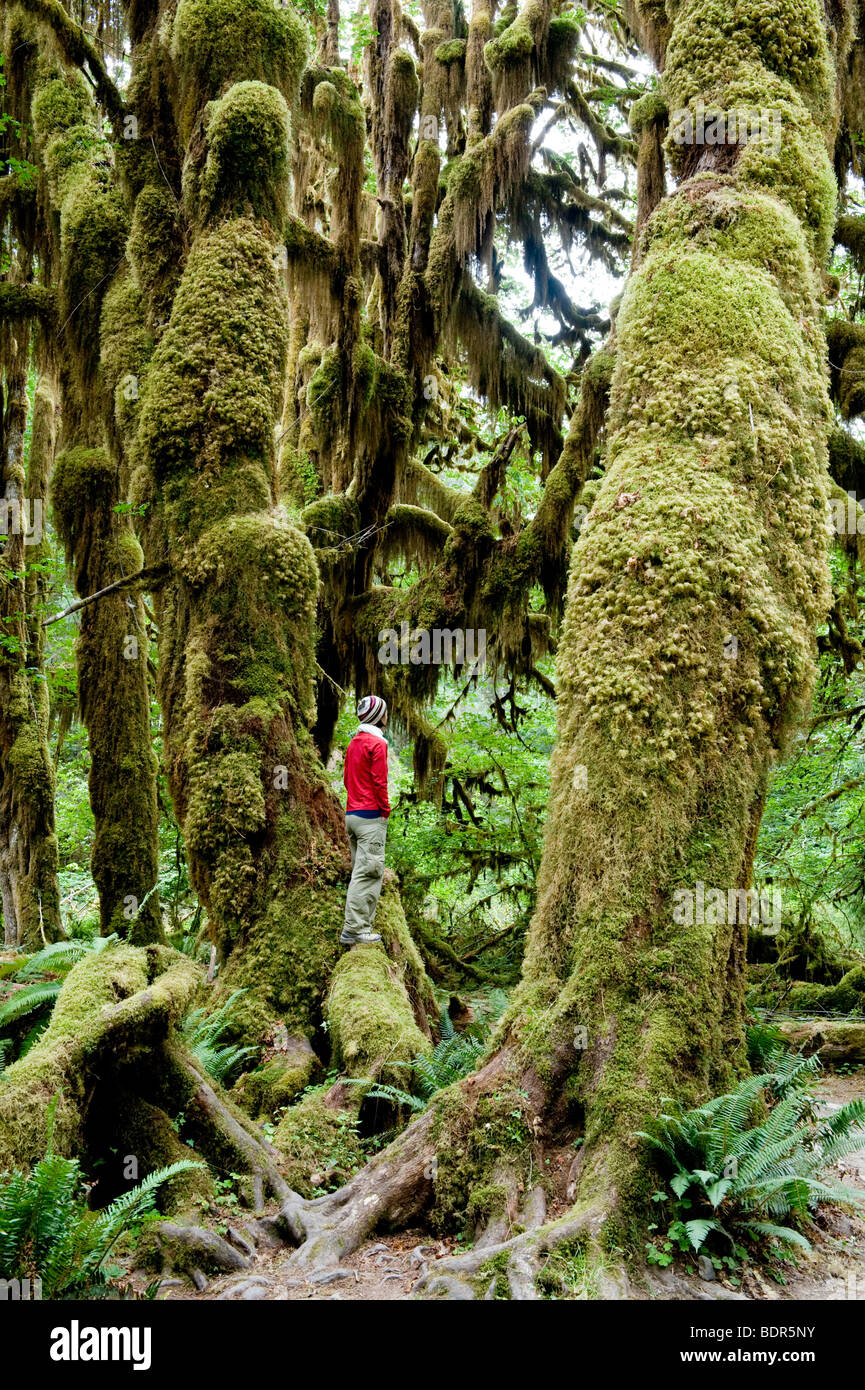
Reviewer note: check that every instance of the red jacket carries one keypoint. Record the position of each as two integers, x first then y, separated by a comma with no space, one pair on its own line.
365,774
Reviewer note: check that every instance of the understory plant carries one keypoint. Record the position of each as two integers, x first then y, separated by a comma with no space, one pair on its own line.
453,1057
203,1034
750,1167
48,1233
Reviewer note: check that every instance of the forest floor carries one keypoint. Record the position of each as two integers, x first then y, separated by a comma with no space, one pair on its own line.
389,1266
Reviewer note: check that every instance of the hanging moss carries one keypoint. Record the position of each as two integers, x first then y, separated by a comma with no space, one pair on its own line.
850,232
507,369
61,103
847,365
454,51
126,346
646,109
93,219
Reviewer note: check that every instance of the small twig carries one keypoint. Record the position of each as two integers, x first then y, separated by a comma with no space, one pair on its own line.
154,572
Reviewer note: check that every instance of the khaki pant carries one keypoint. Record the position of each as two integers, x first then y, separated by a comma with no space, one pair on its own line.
366,835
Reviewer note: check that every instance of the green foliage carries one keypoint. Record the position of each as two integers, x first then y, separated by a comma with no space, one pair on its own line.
469,864
47,1231
811,833
27,1001
203,1034
454,1056
762,1041
750,1165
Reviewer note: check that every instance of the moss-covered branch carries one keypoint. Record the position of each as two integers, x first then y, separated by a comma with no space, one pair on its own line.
79,51
19,302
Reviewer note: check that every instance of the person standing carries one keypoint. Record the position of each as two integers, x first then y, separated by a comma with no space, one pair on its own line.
366,813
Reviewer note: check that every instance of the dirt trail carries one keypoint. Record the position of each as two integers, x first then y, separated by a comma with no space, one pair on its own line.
835,1269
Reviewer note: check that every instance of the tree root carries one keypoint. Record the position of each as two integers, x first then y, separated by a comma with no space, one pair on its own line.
519,1261
392,1189
118,1074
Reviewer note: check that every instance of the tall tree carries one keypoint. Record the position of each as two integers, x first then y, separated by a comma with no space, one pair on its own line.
308,269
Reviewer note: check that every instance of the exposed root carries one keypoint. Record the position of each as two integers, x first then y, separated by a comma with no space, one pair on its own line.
476,1272
392,1189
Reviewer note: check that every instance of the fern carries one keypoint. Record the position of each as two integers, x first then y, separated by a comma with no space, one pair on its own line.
453,1057
203,1033
382,1091
27,1001
62,955
734,1176
47,1230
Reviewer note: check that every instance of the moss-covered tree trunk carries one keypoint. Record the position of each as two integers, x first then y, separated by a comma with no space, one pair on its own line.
111,654
28,844
236,616
82,233
685,661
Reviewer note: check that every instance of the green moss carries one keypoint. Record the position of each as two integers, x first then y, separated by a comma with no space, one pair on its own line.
65,1062
286,958
372,1027
331,519
323,392
216,42
200,409
474,1137
515,44
404,90
155,251
125,349
850,233
247,134
61,103
454,51
646,109
710,523
847,996
318,1142
712,43
82,479
276,1083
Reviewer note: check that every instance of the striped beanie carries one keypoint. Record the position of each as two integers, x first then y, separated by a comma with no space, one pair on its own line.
371,709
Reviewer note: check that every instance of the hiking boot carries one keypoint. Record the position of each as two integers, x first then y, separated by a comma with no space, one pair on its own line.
363,938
